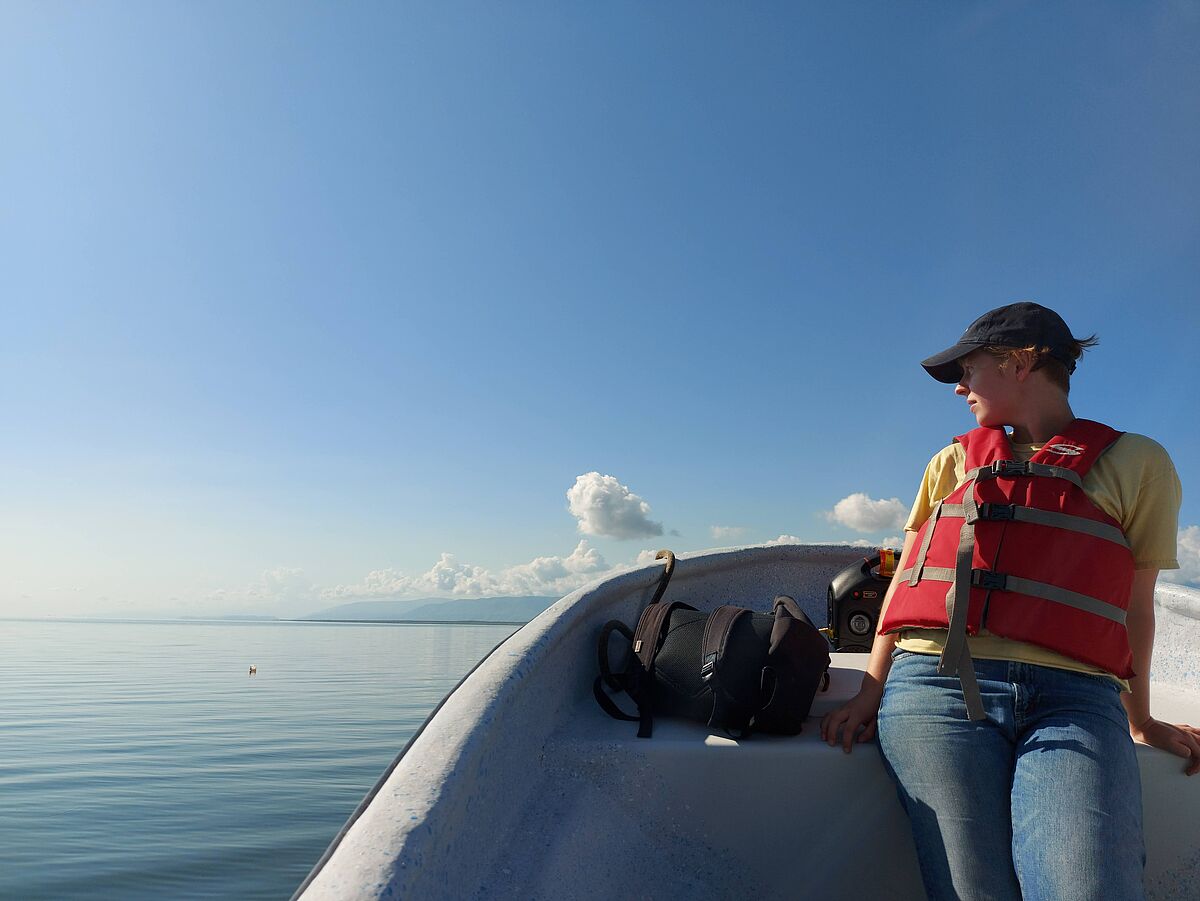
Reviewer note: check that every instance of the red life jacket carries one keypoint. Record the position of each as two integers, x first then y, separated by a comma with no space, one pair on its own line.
1043,564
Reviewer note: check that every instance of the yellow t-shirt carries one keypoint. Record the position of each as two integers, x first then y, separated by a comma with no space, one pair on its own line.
1134,482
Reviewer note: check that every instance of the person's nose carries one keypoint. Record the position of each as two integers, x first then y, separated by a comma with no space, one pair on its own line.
961,390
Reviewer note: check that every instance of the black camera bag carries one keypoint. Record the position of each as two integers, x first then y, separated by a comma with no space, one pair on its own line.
734,669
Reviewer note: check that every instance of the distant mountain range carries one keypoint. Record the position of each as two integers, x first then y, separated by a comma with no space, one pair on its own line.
441,610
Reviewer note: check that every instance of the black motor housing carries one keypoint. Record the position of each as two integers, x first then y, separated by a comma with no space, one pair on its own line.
855,596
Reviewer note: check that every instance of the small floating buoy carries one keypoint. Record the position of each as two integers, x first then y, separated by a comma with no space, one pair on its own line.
253,669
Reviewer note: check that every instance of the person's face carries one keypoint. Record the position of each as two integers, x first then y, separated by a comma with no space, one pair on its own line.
991,393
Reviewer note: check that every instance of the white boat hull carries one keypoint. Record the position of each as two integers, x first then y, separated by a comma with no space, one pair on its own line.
521,787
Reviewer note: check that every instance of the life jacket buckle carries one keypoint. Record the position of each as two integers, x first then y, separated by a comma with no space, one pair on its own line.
992,581
1010,468
998,512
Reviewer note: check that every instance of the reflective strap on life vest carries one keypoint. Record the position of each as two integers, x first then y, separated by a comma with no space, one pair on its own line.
919,563
994,581
1011,468
1058,595
1055,520
933,573
956,654
1017,513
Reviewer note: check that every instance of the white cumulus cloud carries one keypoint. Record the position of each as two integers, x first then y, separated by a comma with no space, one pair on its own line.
643,558
1188,551
605,507
787,539
861,513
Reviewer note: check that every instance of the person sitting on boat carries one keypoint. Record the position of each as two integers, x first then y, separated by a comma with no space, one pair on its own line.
1010,675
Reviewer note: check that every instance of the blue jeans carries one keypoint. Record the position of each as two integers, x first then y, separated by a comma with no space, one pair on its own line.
1042,800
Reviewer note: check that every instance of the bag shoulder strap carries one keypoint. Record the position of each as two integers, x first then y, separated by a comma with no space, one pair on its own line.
628,681
717,629
615,681
608,705
652,629
716,635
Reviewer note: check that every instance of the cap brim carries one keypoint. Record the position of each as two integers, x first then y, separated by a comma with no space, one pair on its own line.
944,366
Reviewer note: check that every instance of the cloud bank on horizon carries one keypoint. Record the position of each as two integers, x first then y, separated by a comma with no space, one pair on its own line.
544,575
540,576
603,507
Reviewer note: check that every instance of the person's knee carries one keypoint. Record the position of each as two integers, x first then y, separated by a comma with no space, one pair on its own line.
1068,871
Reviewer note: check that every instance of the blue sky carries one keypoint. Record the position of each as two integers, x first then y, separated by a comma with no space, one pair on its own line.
298,293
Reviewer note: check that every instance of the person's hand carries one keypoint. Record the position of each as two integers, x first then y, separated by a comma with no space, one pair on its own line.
861,710
1182,740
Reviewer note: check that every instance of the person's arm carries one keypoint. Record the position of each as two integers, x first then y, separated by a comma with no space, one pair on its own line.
863,708
1178,739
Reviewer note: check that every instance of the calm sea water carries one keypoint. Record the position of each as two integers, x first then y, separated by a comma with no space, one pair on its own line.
139,760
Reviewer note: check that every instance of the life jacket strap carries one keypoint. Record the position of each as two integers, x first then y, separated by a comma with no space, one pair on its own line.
933,574
1008,469
1018,513
994,581
1054,519
919,563
964,667
956,655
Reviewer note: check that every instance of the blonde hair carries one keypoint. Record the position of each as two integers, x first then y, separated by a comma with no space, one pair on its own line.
1040,358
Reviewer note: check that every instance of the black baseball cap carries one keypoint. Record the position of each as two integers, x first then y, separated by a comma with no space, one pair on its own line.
1022,324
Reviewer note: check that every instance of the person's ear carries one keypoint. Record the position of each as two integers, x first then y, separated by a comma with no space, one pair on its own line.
1022,364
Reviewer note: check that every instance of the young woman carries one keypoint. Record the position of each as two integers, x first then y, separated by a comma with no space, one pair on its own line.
1010,676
